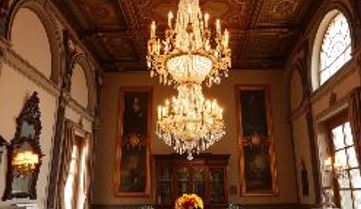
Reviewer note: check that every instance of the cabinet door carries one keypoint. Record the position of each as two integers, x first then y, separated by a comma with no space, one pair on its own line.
183,180
164,185
216,179
199,181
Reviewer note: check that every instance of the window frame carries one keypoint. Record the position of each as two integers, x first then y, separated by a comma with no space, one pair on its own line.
80,145
340,120
325,33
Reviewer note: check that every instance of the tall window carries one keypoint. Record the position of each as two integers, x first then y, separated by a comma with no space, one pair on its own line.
335,48
70,186
348,189
77,179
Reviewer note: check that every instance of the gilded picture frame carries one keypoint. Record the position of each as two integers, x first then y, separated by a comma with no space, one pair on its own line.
132,176
257,157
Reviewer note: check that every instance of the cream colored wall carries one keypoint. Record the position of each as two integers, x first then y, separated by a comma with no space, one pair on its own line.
14,90
225,94
30,41
79,89
302,151
301,137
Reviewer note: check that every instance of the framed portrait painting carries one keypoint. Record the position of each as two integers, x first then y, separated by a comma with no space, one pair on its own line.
132,162
258,174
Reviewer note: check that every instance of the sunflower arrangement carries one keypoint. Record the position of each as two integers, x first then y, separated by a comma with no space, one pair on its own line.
189,201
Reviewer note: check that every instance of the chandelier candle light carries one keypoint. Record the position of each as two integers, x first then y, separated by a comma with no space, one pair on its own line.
187,57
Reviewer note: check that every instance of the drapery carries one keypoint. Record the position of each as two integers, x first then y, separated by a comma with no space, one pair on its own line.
85,173
65,159
88,170
355,118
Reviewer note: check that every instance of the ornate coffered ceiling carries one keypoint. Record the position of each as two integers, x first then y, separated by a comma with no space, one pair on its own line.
116,31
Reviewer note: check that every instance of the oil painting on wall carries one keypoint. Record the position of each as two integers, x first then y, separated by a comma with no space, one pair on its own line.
257,156
132,175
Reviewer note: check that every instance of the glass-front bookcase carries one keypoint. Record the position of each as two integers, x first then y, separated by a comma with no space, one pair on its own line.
205,176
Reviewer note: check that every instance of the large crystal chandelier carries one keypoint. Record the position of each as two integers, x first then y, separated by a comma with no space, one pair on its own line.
185,58
188,53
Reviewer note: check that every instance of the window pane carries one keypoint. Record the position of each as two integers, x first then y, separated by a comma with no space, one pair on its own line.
336,47
355,178
341,158
338,137
346,199
352,159
324,76
357,199
348,134
344,183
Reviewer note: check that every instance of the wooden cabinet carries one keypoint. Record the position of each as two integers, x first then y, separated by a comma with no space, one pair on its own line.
205,175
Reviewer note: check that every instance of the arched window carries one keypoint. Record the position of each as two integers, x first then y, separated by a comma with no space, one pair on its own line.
332,47
335,48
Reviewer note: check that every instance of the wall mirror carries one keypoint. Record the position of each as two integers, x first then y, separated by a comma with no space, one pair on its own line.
24,153
2,148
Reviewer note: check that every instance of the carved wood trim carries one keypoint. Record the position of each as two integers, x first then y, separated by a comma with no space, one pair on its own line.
59,126
336,79
74,105
314,153
337,106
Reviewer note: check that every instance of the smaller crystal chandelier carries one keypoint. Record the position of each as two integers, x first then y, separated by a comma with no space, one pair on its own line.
190,123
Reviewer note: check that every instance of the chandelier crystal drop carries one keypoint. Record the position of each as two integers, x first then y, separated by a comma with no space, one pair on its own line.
189,52
189,122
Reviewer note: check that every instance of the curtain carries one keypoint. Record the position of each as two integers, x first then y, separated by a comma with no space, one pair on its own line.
65,159
84,174
88,169
355,118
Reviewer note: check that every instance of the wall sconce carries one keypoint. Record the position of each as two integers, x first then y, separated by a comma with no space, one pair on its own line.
25,162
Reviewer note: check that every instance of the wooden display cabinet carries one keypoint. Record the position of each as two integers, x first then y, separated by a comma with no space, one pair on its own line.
205,175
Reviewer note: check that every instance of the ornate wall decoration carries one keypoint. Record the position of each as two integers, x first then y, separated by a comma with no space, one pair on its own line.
257,155
3,144
132,163
27,136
